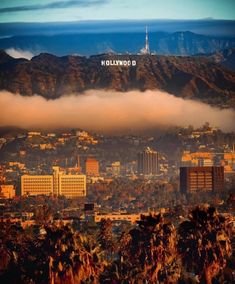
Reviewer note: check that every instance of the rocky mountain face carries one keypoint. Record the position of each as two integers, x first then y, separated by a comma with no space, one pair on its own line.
51,76
188,43
224,57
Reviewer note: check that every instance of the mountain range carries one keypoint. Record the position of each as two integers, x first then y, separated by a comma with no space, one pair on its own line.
50,76
86,44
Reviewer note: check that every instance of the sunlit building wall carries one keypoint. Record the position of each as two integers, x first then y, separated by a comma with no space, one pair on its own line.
7,191
36,185
72,186
201,178
92,167
58,183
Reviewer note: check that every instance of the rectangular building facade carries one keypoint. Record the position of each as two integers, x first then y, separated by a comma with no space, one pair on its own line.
201,178
59,183
7,191
72,186
147,162
92,167
36,185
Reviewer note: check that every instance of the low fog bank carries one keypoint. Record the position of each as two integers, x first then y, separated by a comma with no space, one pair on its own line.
110,112
19,53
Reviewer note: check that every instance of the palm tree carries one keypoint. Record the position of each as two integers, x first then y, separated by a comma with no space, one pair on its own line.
10,245
146,254
60,256
72,258
105,237
204,243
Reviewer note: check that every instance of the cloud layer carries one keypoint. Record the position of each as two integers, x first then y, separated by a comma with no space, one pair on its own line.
53,5
19,53
110,112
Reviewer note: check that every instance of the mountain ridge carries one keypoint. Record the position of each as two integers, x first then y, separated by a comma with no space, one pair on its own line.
224,57
51,76
182,42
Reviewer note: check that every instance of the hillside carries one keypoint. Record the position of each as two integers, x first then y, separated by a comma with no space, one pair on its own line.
51,76
224,57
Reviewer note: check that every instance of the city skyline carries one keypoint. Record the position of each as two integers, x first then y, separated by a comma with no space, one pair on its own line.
78,10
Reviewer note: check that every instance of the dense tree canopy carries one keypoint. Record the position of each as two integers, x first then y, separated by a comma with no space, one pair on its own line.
151,251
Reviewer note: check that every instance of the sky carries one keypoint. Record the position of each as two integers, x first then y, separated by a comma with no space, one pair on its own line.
75,10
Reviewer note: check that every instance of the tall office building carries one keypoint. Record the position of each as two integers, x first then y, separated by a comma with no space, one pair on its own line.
92,167
201,178
36,185
147,162
72,186
57,184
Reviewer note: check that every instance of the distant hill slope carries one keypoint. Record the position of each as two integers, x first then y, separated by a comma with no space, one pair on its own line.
177,43
51,76
224,57
188,43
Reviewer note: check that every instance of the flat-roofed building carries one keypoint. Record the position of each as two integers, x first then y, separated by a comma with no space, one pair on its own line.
197,159
117,217
201,178
92,167
147,162
7,191
120,217
72,186
229,162
58,183
36,185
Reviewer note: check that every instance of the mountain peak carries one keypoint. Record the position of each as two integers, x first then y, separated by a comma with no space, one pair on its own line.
44,56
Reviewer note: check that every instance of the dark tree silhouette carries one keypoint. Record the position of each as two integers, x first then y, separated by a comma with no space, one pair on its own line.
204,243
59,256
106,238
147,253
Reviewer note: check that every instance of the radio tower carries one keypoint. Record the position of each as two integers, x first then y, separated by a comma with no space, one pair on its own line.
147,50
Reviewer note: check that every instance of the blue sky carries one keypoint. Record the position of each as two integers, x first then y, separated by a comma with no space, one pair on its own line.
75,10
